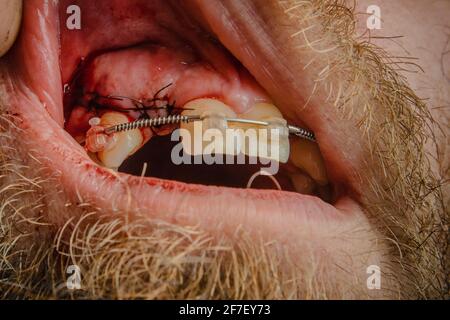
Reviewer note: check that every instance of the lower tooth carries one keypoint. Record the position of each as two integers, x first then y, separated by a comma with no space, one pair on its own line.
124,145
302,183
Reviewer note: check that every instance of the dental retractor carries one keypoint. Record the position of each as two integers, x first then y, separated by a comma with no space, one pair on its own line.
177,119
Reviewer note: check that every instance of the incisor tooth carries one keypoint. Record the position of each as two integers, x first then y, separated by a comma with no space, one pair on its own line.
306,155
270,113
125,143
215,112
248,142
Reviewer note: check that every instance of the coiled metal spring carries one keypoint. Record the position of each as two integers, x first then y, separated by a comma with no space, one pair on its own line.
153,122
302,133
176,119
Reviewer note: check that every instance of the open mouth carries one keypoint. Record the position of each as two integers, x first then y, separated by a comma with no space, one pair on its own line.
171,72
83,82
142,59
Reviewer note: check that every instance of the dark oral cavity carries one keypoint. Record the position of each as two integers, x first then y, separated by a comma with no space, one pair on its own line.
157,59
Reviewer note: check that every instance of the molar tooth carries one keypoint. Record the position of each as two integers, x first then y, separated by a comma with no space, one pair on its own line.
124,145
306,155
213,113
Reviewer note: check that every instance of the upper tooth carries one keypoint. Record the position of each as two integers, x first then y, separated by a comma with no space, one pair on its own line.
262,111
213,113
125,143
306,156
269,113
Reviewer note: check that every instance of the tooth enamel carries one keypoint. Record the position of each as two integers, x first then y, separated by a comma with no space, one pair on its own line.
269,113
124,145
262,111
302,183
306,156
213,113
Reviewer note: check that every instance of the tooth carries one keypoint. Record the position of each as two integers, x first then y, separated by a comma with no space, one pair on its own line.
215,113
306,156
302,183
269,113
262,111
124,145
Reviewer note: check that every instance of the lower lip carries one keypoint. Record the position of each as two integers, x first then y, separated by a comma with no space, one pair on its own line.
208,207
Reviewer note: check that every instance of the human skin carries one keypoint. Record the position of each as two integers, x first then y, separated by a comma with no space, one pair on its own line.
10,16
371,225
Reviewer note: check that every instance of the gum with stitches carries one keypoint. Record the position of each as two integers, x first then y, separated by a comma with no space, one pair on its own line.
219,257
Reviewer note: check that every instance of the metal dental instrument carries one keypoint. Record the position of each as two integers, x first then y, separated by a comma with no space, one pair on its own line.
176,119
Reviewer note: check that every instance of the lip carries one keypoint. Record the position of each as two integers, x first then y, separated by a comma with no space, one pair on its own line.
209,207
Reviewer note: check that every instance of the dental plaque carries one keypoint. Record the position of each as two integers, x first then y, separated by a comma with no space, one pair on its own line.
156,112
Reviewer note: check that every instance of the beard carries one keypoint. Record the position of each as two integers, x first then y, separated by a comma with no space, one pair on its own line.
125,255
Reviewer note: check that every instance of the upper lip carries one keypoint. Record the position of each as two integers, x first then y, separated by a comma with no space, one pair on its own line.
79,173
